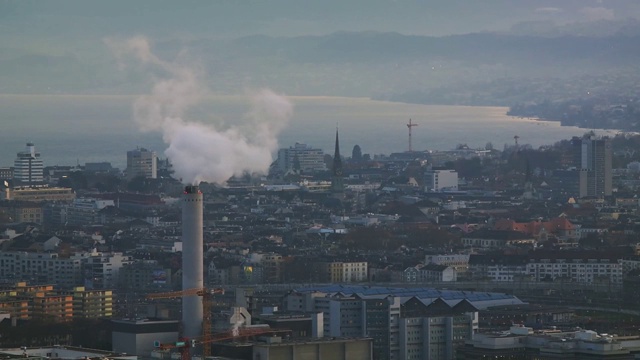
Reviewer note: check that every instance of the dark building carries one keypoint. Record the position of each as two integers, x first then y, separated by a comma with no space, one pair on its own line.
337,181
595,167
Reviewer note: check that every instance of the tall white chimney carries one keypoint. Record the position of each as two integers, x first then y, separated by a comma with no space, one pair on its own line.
192,260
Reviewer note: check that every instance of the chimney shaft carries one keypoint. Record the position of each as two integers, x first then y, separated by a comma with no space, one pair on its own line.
192,260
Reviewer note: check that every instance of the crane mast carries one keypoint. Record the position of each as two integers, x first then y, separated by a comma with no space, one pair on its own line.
410,125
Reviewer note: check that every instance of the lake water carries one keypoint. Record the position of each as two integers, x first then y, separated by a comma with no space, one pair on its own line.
68,129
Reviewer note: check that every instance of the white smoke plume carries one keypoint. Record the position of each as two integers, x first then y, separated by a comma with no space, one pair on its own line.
235,330
202,152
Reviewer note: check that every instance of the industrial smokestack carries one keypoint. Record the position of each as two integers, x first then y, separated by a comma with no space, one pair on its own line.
192,260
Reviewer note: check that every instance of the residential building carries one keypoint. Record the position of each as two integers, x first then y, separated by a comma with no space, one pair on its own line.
485,238
584,267
36,302
141,162
145,275
440,180
91,304
559,227
498,267
24,211
85,211
6,173
52,306
98,270
346,272
101,270
41,267
460,262
430,273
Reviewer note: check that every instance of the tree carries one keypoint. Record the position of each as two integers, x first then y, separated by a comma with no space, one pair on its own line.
76,180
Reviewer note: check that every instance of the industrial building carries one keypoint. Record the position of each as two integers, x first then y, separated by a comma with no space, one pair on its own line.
277,348
522,342
404,323
58,352
137,336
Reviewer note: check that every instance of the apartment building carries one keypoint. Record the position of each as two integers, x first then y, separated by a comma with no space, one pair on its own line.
100,270
346,272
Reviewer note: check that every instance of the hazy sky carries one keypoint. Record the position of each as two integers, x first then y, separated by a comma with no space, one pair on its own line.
221,18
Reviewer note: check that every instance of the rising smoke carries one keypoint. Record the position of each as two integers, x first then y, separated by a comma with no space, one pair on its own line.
197,151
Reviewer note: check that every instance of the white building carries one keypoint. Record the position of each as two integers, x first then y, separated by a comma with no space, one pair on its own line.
440,180
101,270
575,269
345,272
301,157
29,167
84,211
142,162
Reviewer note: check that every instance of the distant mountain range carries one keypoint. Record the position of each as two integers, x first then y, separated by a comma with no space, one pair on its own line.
473,69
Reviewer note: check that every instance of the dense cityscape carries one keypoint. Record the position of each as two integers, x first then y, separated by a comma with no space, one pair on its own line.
458,254
319,180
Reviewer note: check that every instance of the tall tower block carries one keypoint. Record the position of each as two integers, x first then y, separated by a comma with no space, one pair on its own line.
192,261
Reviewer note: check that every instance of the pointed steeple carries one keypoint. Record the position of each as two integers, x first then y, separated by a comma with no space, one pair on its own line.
337,182
337,160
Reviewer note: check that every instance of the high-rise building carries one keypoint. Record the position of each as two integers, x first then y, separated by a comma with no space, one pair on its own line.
301,158
595,167
28,167
142,162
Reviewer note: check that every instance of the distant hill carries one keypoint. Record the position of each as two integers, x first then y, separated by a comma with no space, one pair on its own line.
474,69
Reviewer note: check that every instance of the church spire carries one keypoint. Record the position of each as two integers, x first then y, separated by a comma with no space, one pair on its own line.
337,182
337,160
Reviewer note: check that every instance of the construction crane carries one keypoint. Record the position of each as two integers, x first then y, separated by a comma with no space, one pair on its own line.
207,301
410,125
184,345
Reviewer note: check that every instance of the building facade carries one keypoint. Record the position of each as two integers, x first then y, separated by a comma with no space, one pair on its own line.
440,180
142,162
596,167
412,324
28,167
301,158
